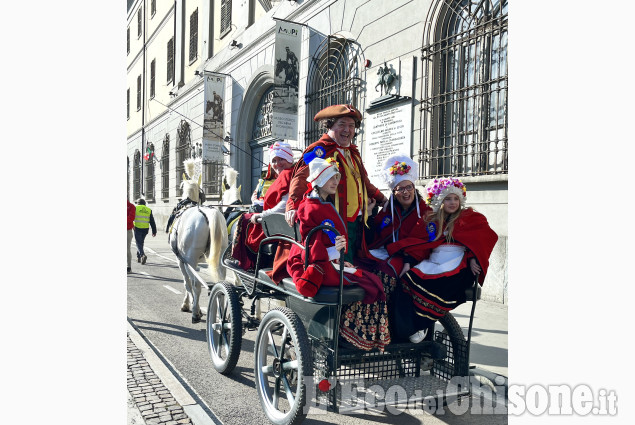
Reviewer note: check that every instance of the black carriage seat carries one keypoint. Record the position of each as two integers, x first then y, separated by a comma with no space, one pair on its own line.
276,225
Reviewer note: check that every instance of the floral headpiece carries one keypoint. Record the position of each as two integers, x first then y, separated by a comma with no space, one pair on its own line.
438,189
399,168
332,161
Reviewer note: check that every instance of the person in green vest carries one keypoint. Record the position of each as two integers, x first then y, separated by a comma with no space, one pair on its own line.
143,220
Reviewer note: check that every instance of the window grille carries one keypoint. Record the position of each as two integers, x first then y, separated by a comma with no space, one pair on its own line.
333,78
152,75
128,39
165,168
136,176
153,7
149,177
225,17
212,178
128,104
139,23
194,36
139,92
266,4
183,152
464,94
170,60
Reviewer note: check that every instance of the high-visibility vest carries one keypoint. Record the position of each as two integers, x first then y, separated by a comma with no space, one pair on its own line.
142,217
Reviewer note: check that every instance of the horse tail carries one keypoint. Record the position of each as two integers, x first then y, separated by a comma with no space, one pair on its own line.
218,244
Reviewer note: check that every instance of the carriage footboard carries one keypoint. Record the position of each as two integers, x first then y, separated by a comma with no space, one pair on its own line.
402,373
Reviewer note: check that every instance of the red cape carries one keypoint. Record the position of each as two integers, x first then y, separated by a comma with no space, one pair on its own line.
276,191
470,229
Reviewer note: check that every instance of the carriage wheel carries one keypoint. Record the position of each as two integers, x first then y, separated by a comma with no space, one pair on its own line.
224,327
282,359
456,363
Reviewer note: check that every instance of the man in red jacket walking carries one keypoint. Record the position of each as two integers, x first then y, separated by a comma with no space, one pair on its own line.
131,214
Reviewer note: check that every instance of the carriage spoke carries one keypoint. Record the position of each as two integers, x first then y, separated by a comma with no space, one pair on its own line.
220,313
287,389
273,344
276,392
225,342
267,370
285,334
290,365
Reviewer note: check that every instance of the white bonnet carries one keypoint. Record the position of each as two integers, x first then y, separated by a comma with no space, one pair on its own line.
321,170
398,168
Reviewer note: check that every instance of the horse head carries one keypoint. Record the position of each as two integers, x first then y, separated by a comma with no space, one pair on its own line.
280,65
192,186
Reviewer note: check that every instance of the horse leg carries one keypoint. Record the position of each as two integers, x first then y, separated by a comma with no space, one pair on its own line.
188,289
194,293
196,296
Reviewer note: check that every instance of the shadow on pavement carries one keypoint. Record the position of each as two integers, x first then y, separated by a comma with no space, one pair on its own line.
180,331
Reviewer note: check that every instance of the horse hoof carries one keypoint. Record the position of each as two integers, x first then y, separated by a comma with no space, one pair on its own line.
185,309
196,319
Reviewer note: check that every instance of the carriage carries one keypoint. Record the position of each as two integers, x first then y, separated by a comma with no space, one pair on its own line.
299,361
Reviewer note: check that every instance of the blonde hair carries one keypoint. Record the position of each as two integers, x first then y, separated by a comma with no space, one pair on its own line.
440,216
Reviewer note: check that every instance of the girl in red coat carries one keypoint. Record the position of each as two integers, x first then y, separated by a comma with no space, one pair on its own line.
454,244
316,209
249,232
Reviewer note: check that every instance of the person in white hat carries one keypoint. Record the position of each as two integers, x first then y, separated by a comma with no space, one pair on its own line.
453,244
395,221
273,193
324,253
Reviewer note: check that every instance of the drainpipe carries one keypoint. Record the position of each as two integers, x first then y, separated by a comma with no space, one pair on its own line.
143,99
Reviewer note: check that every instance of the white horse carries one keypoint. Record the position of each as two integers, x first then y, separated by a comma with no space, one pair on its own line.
199,233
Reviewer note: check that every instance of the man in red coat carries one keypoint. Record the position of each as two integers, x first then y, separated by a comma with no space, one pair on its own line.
131,214
355,190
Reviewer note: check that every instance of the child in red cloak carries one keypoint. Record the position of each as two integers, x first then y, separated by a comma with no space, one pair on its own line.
249,232
324,253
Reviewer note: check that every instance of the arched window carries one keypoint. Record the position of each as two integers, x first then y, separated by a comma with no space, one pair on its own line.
149,177
261,136
333,78
165,168
136,176
183,152
464,91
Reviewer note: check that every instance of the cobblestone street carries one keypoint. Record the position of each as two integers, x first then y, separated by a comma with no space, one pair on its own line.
154,401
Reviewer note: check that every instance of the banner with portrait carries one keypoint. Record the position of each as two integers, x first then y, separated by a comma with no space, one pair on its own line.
213,116
288,51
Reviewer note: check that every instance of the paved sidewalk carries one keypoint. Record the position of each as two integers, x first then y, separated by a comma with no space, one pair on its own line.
149,402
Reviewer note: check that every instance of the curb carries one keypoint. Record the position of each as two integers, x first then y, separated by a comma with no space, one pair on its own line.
156,392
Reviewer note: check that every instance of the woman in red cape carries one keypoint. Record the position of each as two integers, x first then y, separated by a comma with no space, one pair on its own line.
249,232
324,255
453,245
395,222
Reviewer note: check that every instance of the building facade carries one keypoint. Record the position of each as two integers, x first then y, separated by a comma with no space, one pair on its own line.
430,77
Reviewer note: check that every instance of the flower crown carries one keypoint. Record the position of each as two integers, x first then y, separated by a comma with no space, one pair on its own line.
400,168
438,186
332,161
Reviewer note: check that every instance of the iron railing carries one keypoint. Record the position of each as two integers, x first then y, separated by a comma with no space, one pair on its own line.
464,89
333,78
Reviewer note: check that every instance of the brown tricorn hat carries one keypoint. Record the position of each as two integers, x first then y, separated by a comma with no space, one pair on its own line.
338,111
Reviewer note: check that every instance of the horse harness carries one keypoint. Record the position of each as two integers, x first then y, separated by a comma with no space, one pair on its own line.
174,224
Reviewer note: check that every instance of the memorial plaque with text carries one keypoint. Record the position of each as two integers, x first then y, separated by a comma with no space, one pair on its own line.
389,131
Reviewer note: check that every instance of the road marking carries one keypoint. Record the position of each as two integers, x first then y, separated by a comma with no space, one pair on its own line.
172,289
145,273
159,255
